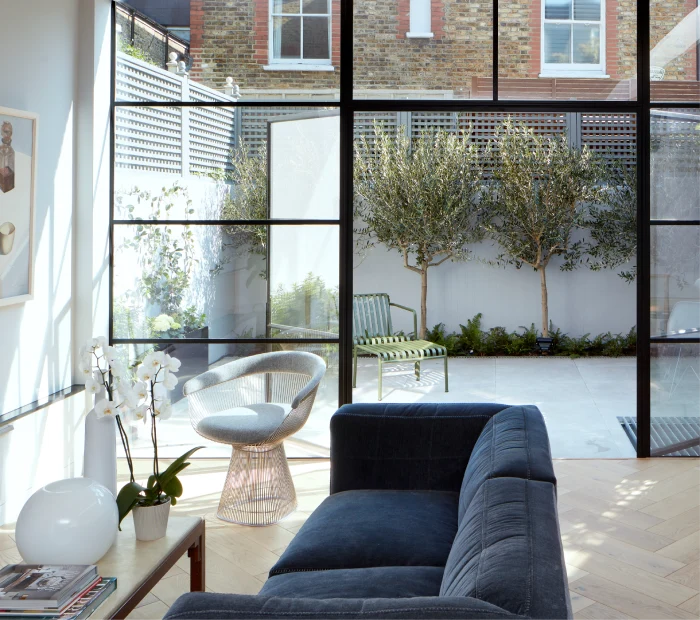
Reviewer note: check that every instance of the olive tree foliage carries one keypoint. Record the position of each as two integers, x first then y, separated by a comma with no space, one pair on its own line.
613,222
419,198
537,199
246,200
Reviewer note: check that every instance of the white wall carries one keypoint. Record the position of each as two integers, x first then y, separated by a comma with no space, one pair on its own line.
54,71
579,302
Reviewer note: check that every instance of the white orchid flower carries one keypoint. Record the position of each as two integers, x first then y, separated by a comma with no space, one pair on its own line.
154,360
85,371
92,386
102,342
105,408
171,363
170,381
111,354
164,408
144,373
159,391
131,398
140,389
140,412
118,368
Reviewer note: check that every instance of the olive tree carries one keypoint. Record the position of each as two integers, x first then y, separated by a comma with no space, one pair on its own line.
613,222
419,198
537,199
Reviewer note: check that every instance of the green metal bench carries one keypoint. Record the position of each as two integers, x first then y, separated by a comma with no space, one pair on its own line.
373,334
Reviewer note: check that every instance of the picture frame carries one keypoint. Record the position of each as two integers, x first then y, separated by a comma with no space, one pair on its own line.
18,174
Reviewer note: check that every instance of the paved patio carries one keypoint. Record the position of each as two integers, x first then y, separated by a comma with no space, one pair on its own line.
580,399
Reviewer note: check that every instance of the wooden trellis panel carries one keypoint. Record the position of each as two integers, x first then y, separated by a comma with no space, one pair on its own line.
148,138
613,136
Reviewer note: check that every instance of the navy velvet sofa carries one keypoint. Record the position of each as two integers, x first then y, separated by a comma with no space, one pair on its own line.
435,511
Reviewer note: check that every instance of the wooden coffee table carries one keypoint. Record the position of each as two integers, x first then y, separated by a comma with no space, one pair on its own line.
137,565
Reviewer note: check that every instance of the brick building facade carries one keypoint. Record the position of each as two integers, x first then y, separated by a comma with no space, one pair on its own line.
232,38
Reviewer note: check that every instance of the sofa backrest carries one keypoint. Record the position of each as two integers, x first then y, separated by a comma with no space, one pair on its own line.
508,551
513,443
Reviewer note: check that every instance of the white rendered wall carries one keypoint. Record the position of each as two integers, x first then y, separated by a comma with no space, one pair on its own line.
580,302
55,70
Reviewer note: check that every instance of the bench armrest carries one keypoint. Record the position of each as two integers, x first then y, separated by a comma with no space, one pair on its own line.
405,446
214,606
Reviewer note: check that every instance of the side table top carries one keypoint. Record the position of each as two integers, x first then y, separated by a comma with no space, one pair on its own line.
131,561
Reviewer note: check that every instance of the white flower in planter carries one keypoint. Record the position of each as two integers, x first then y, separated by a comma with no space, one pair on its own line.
140,390
154,361
144,373
164,408
171,363
162,323
92,386
85,370
169,381
140,412
105,408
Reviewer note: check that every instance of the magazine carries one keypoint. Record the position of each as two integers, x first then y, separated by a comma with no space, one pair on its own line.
78,609
42,586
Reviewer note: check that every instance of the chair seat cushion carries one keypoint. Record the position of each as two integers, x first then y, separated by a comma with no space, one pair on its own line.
370,528
247,425
382,582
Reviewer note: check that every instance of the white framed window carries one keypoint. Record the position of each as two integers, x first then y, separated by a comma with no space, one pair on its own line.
419,20
573,38
300,35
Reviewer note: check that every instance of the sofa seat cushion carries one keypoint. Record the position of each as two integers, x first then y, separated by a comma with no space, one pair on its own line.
361,529
380,582
508,550
513,444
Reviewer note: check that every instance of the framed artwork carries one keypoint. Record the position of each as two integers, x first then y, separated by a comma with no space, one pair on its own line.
17,185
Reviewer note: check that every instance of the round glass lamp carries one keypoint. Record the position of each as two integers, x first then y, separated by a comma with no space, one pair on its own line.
72,521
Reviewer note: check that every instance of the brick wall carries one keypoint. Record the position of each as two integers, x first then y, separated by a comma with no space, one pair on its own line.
230,37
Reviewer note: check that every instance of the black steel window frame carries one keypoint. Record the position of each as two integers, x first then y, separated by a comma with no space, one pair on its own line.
348,106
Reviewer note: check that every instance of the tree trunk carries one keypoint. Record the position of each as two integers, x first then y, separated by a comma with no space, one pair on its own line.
545,307
423,300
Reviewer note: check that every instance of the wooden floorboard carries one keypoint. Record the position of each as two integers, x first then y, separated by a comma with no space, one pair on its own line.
630,530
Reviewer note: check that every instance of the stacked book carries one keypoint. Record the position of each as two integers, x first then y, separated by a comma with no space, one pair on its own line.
52,591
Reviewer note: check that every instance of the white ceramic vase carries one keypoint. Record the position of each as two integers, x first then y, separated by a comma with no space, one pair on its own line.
100,450
151,522
72,521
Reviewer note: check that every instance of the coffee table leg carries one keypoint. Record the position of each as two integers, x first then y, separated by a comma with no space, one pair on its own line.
197,564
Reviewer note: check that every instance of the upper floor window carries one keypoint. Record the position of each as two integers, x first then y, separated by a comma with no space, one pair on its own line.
573,38
420,19
301,32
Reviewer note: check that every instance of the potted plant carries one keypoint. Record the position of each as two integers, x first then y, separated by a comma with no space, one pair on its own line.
147,400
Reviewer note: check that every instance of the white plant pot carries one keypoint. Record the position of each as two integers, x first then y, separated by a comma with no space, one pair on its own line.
151,522
100,451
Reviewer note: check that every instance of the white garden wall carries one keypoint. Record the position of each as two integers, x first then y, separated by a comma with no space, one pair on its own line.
580,302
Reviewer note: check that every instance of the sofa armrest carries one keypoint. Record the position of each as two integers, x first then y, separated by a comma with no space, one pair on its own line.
209,605
405,446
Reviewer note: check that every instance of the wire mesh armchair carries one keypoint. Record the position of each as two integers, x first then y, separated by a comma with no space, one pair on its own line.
253,404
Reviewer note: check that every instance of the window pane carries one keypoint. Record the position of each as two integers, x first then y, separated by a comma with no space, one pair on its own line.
674,36
543,59
234,50
219,168
675,400
454,61
675,164
285,6
286,41
315,37
586,44
176,281
557,9
587,10
315,6
675,280
177,433
557,43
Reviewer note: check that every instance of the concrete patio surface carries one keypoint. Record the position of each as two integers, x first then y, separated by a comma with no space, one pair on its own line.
579,398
